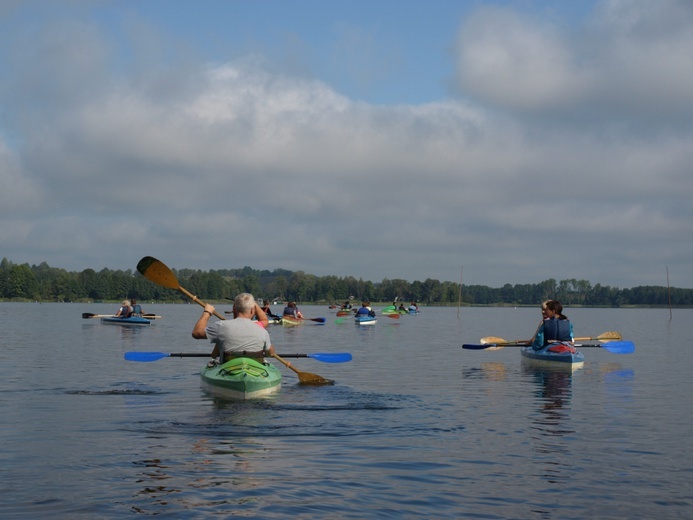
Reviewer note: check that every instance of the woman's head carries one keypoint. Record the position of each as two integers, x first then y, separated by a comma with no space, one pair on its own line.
554,308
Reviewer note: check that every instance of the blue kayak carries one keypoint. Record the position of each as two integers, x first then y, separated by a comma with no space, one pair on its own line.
555,354
364,319
132,320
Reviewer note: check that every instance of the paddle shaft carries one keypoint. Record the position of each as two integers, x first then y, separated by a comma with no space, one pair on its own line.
198,301
88,315
202,355
499,342
615,347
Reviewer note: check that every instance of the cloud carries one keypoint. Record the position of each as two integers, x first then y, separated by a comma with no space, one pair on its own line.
560,158
631,56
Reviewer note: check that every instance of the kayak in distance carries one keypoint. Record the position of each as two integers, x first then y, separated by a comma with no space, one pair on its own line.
132,320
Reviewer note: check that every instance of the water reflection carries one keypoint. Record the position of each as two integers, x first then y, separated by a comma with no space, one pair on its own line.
553,396
214,462
489,371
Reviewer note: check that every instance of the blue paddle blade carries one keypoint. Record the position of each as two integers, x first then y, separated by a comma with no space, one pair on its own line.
332,357
145,356
619,347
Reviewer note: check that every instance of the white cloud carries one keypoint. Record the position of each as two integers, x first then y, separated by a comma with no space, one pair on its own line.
631,60
564,148
508,60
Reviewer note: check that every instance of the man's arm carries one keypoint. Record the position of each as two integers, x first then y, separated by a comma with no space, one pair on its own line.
261,316
199,329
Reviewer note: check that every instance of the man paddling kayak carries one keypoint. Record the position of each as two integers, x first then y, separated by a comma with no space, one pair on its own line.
240,337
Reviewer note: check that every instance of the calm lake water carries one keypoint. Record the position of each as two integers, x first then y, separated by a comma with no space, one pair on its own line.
415,426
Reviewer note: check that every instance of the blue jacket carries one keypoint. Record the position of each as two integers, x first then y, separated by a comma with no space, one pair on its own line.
363,311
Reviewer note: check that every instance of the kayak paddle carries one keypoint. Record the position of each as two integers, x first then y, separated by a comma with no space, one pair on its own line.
87,315
615,347
156,271
325,357
499,342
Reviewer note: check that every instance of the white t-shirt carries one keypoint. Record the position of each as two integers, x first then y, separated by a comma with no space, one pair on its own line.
238,335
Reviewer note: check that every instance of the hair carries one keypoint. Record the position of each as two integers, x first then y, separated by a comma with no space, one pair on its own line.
544,304
133,301
244,303
125,303
556,307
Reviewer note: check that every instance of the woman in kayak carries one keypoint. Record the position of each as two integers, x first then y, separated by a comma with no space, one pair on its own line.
555,327
124,311
291,311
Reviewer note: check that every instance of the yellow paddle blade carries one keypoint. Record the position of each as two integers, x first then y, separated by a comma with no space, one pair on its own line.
610,336
606,336
156,271
491,339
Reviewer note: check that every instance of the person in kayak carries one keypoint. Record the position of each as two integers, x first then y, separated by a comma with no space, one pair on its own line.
124,311
135,308
554,328
291,311
365,310
239,337
266,307
543,317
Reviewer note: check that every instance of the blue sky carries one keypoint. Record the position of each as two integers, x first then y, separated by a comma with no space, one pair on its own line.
523,140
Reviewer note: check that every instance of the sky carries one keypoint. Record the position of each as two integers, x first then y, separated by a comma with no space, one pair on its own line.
492,142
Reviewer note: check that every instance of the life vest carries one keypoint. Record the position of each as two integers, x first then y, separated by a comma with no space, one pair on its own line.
556,330
365,311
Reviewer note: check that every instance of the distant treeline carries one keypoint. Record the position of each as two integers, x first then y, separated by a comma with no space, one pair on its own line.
45,283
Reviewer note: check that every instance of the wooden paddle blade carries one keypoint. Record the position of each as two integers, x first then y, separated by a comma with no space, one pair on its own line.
492,339
610,335
305,378
156,271
393,316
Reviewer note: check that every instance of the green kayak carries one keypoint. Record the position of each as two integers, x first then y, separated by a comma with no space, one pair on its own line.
241,378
